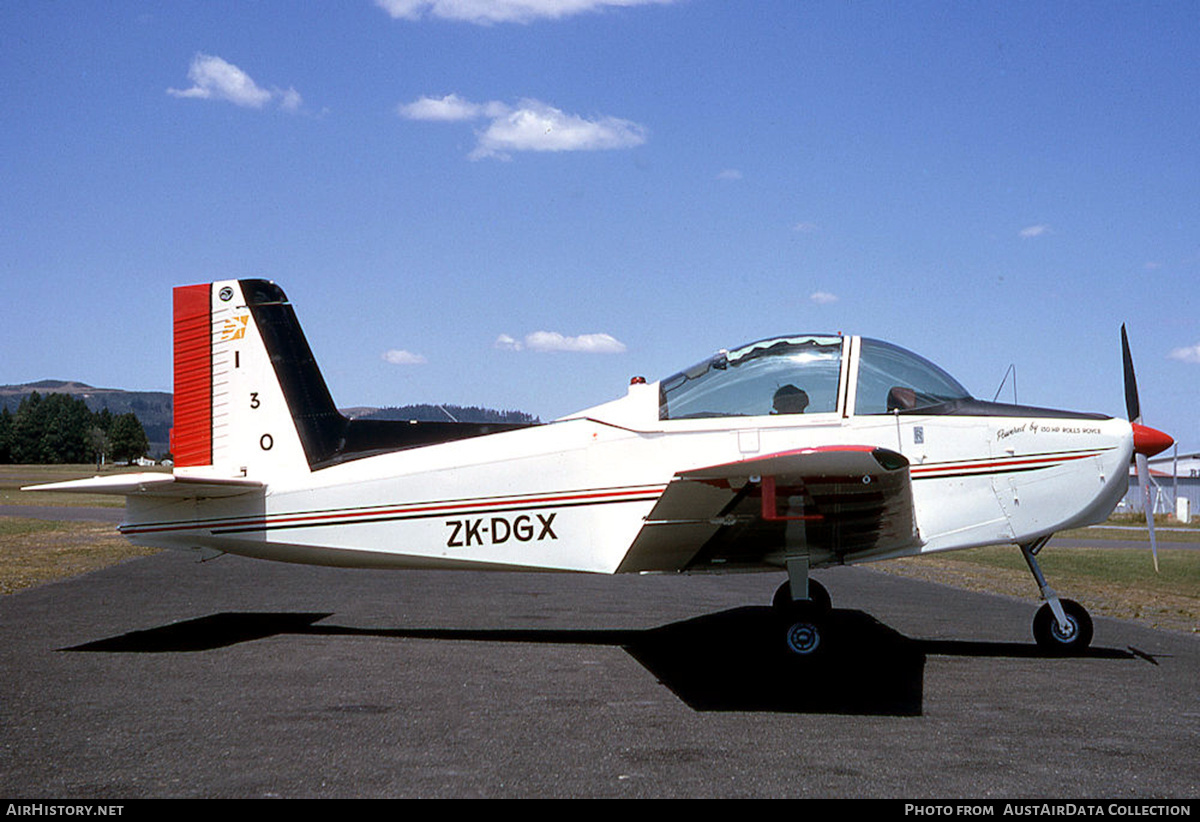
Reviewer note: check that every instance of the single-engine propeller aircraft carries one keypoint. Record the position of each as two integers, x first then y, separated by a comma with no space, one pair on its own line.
791,453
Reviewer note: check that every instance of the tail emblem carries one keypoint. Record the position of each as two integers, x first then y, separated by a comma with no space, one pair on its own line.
234,328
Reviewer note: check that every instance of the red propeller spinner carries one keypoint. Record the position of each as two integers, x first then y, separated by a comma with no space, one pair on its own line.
1149,441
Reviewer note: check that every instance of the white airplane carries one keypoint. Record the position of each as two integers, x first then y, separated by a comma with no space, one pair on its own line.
786,454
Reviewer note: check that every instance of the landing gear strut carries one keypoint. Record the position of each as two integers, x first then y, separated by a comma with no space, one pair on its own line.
1061,626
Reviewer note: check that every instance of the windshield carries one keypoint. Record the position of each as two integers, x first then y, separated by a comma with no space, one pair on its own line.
785,375
893,379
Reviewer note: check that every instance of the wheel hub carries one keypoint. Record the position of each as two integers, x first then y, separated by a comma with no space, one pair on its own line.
803,638
1064,634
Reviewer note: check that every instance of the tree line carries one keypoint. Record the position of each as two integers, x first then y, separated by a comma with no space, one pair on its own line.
58,428
426,412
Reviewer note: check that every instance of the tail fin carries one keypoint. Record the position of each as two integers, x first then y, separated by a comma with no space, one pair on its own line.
251,402
249,398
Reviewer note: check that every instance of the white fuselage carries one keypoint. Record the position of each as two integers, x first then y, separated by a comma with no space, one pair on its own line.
572,495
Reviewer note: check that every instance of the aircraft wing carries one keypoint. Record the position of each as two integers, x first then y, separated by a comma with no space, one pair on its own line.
834,503
154,485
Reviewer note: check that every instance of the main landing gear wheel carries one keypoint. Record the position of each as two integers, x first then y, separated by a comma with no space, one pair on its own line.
804,620
1051,637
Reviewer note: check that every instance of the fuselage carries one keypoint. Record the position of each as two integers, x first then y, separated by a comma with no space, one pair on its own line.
573,494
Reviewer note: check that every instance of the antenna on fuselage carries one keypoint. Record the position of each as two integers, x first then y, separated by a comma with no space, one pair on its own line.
1012,369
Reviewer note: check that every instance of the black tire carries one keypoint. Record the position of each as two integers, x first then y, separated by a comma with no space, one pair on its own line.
1051,638
818,599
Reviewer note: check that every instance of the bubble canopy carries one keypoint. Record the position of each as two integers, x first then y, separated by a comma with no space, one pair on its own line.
891,378
804,375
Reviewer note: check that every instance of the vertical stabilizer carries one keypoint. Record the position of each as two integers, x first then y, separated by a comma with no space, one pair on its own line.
249,400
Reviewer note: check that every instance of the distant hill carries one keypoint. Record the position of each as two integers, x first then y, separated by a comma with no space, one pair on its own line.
154,408
440,413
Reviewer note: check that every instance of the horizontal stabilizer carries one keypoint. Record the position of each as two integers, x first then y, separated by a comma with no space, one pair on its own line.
154,485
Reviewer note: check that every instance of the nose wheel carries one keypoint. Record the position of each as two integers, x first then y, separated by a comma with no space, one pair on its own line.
1061,626
1071,638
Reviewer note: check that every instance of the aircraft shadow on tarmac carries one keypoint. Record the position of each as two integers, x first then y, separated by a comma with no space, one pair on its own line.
728,661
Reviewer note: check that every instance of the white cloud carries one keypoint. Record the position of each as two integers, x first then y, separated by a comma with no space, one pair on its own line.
290,100
398,356
449,109
531,126
536,126
1188,354
216,79
553,341
213,78
1030,232
730,174
806,228
822,297
485,12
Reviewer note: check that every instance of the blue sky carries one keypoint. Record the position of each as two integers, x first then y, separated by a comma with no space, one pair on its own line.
523,204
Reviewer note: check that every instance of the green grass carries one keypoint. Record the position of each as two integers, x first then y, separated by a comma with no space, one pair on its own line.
1160,520
34,552
20,527
1115,582
1101,533
1179,569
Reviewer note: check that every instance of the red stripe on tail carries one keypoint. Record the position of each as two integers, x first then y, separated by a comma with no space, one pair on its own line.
191,438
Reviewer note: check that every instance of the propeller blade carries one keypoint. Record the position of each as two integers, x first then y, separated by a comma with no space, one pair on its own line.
1143,474
1133,407
1146,441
